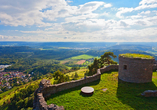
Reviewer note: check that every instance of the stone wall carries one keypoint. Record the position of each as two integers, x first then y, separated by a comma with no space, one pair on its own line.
135,70
155,67
46,89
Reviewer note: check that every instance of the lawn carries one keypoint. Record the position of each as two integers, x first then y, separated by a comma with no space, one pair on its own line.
84,56
119,95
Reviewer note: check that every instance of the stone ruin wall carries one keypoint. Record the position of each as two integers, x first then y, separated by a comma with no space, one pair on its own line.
46,89
155,67
136,70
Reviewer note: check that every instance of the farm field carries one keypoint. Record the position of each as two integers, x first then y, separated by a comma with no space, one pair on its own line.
119,95
79,60
84,56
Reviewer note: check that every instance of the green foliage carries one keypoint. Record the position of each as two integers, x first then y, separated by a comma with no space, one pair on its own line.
22,97
74,76
59,77
106,59
135,55
75,68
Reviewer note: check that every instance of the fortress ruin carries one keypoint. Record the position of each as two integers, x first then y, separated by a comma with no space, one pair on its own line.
136,70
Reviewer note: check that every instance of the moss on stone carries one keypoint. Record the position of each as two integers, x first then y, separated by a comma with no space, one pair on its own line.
135,55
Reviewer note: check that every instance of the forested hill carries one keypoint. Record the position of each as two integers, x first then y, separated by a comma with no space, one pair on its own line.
17,54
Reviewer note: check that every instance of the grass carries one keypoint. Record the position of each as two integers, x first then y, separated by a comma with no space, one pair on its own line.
119,95
134,55
84,56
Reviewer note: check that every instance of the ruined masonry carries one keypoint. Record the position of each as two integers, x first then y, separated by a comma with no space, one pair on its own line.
136,70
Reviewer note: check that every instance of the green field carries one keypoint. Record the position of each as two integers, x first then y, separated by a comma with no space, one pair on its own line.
84,56
119,95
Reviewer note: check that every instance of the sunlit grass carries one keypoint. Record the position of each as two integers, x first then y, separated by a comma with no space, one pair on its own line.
80,73
134,55
84,56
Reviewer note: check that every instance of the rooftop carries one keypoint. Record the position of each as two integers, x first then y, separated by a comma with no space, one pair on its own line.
135,55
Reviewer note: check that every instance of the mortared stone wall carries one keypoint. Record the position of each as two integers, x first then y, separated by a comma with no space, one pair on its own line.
136,70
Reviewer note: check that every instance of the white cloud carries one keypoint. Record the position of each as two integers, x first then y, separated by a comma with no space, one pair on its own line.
26,12
107,5
144,4
123,10
90,6
109,35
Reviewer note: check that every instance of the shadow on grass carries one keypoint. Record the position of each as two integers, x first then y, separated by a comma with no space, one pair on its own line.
74,89
130,94
109,72
86,95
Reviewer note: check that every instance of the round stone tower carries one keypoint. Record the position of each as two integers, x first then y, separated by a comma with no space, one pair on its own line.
136,68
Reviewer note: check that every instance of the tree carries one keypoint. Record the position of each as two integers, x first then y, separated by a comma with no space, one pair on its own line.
76,75
106,59
60,77
57,75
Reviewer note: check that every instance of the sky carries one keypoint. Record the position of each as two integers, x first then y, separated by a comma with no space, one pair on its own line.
78,20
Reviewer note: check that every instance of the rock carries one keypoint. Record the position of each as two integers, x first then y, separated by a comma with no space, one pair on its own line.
150,93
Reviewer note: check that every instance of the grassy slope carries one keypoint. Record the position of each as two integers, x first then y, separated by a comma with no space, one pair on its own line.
84,56
80,73
10,93
120,95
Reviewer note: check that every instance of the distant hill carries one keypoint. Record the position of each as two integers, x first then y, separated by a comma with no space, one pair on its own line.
131,47
84,45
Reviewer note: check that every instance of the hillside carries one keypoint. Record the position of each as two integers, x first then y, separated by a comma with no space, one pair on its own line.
18,99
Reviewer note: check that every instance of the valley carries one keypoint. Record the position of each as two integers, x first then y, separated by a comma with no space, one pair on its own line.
37,61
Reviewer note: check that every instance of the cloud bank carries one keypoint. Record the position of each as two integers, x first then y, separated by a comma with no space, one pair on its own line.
93,21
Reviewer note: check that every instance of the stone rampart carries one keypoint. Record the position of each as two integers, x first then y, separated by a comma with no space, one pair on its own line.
46,89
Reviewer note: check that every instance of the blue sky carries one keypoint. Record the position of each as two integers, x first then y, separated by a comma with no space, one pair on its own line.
78,20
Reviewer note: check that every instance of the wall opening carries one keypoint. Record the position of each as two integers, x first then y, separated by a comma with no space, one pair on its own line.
125,67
